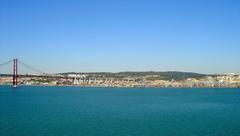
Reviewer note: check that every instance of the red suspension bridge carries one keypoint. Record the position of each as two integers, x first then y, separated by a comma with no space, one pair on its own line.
15,63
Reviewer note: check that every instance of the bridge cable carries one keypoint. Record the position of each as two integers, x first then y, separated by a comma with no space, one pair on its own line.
5,63
32,68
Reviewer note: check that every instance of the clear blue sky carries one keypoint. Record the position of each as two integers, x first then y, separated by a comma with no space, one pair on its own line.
122,35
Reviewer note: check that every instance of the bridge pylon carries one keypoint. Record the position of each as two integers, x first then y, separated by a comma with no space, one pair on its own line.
15,72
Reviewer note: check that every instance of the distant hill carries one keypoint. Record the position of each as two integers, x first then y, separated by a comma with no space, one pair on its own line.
151,75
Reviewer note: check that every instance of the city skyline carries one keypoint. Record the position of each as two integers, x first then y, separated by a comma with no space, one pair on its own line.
114,36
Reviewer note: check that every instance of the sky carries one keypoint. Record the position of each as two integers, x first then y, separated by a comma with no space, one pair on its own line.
200,36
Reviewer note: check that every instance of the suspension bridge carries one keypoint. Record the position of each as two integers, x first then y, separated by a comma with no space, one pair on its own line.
16,74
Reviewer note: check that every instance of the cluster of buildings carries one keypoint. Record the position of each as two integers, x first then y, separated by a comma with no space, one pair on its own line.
94,80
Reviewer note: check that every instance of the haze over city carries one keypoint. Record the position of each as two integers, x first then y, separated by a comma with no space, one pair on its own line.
129,35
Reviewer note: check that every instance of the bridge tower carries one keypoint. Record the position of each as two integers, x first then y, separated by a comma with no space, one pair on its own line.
15,72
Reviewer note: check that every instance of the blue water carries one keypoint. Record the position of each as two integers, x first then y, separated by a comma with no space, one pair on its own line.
75,111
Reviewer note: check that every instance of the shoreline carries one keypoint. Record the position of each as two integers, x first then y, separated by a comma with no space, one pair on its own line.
123,87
